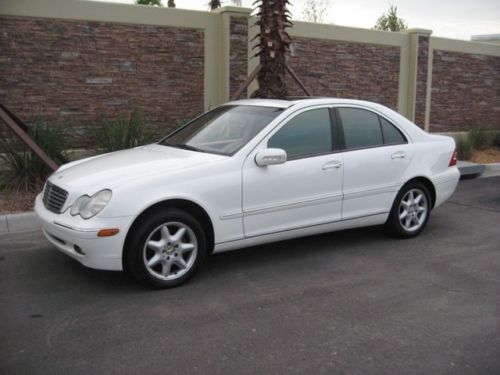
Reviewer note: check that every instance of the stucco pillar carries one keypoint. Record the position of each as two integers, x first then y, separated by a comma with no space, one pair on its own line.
420,69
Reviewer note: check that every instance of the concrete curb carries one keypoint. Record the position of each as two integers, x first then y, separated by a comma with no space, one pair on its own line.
16,223
468,169
491,170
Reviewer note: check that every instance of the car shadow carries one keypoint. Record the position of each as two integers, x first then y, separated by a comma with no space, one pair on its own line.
221,265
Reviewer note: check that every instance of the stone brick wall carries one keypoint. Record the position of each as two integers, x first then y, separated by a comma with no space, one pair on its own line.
465,91
238,53
421,88
345,69
77,72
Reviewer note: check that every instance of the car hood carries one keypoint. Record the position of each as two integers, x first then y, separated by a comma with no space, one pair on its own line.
116,168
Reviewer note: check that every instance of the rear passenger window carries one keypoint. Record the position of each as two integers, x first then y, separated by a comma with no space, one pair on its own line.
361,128
307,134
392,136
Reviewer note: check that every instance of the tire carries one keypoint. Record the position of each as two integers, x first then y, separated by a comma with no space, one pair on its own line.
165,249
410,211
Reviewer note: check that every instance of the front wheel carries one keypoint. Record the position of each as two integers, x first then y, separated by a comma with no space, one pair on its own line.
166,249
410,211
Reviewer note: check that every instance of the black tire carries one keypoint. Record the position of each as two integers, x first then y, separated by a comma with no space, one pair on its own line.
394,225
137,254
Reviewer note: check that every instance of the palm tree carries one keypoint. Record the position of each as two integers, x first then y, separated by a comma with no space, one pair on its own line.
274,43
214,4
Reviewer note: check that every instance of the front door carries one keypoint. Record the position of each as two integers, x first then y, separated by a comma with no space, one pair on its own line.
303,192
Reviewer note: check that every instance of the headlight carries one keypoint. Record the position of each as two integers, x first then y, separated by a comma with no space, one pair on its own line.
88,207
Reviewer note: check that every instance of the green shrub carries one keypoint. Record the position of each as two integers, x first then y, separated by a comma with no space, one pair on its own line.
496,140
123,133
464,147
25,171
479,139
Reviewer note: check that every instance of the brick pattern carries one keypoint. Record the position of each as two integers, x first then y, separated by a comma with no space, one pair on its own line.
78,72
345,69
465,92
238,53
421,88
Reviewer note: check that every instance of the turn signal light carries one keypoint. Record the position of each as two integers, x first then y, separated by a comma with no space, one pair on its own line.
107,232
453,160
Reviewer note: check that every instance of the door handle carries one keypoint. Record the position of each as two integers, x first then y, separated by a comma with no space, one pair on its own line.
334,164
398,155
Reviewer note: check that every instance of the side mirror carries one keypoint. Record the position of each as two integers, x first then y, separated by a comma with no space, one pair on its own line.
270,156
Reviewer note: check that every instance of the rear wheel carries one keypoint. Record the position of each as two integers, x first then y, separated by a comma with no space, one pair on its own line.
166,249
410,211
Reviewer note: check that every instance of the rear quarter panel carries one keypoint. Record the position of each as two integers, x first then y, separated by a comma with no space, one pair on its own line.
431,160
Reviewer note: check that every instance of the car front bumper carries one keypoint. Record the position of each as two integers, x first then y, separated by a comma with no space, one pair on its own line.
78,238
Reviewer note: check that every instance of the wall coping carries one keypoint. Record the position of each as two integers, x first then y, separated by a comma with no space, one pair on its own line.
418,31
108,12
231,9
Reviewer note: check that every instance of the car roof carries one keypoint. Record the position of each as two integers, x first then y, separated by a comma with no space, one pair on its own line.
294,100
415,132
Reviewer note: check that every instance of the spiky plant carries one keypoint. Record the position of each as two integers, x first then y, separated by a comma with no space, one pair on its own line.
274,42
24,170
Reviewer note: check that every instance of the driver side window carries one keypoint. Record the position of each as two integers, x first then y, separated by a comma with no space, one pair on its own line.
307,134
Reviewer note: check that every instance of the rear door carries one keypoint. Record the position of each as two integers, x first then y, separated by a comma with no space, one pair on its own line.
376,156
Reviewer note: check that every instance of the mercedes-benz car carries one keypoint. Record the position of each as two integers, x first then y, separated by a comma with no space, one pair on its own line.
246,173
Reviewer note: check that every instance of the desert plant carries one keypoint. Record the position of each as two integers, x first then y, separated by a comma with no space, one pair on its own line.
25,171
464,147
496,140
122,133
480,139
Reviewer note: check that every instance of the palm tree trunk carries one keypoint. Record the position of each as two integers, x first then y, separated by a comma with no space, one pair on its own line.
274,43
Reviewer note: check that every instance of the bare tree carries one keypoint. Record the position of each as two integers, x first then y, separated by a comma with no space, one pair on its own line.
274,42
316,11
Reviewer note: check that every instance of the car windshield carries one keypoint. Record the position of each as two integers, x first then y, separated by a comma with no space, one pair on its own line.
224,130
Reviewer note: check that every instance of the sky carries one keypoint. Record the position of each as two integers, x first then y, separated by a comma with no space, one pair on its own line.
457,19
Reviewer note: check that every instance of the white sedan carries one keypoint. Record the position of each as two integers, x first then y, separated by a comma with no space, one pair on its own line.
246,173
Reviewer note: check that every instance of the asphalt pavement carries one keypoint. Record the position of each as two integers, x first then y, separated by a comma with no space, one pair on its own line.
347,302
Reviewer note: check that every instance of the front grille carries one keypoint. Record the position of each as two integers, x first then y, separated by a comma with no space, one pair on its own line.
54,197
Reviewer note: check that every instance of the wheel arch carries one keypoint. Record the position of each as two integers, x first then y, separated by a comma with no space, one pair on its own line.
183,204
428,184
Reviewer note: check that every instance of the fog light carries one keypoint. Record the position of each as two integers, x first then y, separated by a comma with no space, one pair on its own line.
107,232
78,249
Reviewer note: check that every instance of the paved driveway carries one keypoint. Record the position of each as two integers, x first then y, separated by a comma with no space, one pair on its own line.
347,302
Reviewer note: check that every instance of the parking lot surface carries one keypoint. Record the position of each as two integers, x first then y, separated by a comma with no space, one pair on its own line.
346,302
